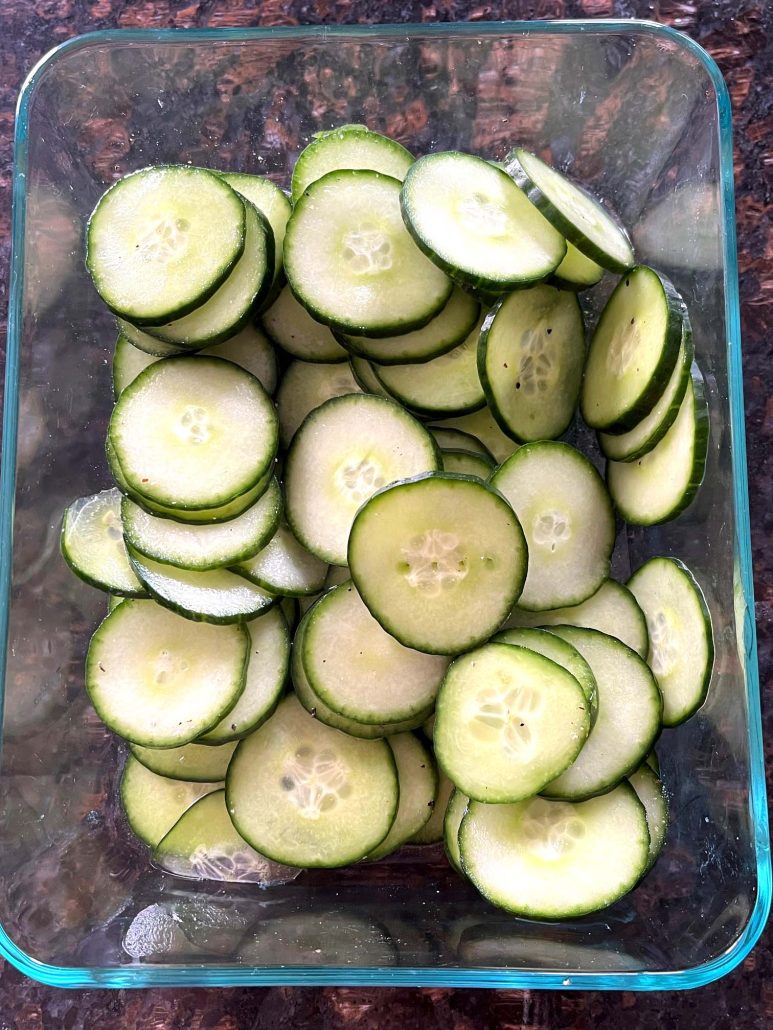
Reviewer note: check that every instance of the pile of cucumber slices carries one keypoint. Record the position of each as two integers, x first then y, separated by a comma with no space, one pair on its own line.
342,514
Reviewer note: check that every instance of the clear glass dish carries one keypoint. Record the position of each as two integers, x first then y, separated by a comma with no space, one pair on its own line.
635,110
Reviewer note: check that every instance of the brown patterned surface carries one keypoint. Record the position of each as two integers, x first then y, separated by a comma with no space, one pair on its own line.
739,34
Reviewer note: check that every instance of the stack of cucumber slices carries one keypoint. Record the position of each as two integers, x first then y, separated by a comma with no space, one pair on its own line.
378,610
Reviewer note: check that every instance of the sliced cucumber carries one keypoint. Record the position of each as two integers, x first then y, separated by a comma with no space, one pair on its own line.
336,574
193,433
92,544
576,271
455,812
508,721
628,720
559,651
272,203
292,328
162,240
652,794
681,639
366,378
302,793
475,223
304,387
351,262
653,761
633,351
467,463
439,560
358,669
482,425
194,763
291,611
445,385
554,860
112,602
346,450
251,349
530,361
149,344
612,609
449,439
204,546
350,146
572,210
417,779
567,518
128,362
157,679
284,566
659,485
428,726
432,831
153,804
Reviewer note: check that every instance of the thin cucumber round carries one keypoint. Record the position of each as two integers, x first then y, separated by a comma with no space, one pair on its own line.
366,378
417,779
455,812
304,387
439,560
272,203
449,439
567,518
651,792
653,761
302,793
251,350
194,763
559,651
292,328
202,516
128,362
112,602
467,463
92,544
681,639
158,680
350,146
432,831
291,611
483,425
152,804
149,344
284,566
576,271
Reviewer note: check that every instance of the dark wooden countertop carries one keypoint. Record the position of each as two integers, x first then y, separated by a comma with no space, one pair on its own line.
739,35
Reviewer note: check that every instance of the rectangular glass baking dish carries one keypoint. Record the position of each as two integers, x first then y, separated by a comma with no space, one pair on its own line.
635,110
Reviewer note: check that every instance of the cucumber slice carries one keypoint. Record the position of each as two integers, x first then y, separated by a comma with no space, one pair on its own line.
576,271
530,361
158,680
162,240
149,344
444,332
628,720
216,596
284,566
482,425
351,262
264,680
336,574
366,378
358,669
291,611
466,463
302,793
346,450
633,351
455,812
659,485
475,223
251,350
153,804
554,860
292,328
559,651
572,210
653,427
229,309
681,638
203,547
193,763
92,544
651,792
446,385
612,610
272,203
439,560
567,518
193,433
653,761
350,146
432,831
428,727
128,362
449,439
304,387
204,845
508,721
112,602
417,779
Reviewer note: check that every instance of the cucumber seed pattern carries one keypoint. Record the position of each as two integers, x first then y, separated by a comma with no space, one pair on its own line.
315,781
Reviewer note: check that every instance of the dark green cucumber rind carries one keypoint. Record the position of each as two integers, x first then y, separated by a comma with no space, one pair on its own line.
567,284
475,456
646,770
448,828
207,290
264,584
345,130
92,581
425,411
426,751
150,344
360,376
653,762
472,443
559,221
652,390
291,611
700,453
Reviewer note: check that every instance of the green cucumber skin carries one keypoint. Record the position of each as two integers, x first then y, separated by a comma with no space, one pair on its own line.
104,587
425,412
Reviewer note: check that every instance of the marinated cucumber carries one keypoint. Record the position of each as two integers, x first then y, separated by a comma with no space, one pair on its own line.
128,362
349,146
572,210
567,518
576,271
271,201
552,859
149,344
251,350
180,432
432,831
302,793
358,669
92,544
681,639
417,779
292,328
628,721
203,546
449,439
482,425
508,721
530,361
284,566
162,240
650,791
366,378
157,679
659,485
439,560
476,225
194,763
304,387
346,450
153,804
351,262
633,351
455,812
466,463
559,651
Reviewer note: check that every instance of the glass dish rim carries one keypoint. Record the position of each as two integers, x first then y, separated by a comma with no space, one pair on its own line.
221,976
